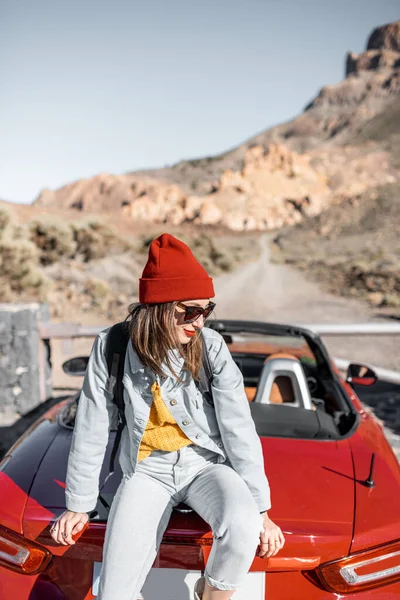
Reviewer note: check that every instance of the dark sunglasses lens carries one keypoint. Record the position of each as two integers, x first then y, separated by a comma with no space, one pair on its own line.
208,310
192,313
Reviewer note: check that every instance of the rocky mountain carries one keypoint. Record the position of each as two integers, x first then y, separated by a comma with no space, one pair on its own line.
333,152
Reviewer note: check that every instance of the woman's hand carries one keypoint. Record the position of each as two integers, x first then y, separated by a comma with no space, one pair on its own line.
67,525
271,538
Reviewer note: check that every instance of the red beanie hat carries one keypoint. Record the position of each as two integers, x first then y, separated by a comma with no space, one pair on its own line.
172,273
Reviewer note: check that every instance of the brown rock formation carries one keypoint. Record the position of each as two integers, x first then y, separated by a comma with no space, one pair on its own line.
371,60
383,51
288,172
387,36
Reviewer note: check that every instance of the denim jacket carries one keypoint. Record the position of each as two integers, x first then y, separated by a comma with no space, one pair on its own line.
227,428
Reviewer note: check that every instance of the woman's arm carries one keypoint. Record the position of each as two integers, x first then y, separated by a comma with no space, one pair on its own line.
89,441
236,425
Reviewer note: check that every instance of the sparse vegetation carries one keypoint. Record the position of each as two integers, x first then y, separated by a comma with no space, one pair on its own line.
19,271
53,238
352,249
86,266
384,129
99,291
95,240
5,220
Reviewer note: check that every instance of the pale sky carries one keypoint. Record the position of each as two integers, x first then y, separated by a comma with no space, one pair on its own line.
94,86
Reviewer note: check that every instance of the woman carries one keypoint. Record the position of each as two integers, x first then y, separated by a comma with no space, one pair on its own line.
176,447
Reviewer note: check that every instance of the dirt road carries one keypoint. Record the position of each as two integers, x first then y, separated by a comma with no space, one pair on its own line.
270,292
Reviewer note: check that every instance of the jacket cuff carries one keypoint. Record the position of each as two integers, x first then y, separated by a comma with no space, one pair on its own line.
80,505
263,504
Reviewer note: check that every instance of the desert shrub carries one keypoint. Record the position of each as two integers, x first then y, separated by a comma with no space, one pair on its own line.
5,220
213,258
53,238
19,271
95,240
99,292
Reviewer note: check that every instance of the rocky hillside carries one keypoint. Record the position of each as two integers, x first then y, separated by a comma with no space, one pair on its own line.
329,181
325,156
352,249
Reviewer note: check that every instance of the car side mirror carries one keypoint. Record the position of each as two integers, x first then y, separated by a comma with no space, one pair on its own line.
76,367
360,375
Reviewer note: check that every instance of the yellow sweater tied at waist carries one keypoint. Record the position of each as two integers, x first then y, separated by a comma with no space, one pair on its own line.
162,431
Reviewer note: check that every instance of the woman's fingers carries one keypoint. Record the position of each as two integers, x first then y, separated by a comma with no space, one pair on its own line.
66,526
83,519
54,531
281,538
271,542
60,531
78,527
67,535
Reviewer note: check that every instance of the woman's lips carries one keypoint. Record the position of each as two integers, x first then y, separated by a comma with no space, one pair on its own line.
189,333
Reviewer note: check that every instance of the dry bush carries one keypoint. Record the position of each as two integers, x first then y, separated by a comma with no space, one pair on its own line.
95,240
53,238
5,220
215,259
19,271
99,292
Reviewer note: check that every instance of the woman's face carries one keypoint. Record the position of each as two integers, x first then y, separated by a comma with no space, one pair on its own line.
187,330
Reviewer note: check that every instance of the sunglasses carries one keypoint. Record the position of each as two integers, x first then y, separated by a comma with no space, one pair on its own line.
192,313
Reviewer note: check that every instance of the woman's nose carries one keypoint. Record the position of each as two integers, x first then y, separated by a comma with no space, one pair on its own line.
199,322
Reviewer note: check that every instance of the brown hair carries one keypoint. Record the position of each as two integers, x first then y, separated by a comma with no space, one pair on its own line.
153,334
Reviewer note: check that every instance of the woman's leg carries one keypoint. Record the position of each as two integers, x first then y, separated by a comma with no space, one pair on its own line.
138,517
221,497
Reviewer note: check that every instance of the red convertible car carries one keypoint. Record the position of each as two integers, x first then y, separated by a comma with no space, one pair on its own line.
334,478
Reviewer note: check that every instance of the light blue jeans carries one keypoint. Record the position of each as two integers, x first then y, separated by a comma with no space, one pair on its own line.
142,507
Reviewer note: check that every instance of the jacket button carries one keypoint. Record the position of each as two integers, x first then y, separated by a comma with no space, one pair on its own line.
198,436
219,444
173,402
185,422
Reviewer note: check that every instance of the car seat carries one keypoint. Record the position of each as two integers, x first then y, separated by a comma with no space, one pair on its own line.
283,381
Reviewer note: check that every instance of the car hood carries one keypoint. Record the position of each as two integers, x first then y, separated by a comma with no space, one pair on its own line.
312,485
312,492
377,515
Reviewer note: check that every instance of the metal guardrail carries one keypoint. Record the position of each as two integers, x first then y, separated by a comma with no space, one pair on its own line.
355,329
74,330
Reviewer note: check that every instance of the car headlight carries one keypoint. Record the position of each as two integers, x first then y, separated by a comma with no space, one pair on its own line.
21,555
365,570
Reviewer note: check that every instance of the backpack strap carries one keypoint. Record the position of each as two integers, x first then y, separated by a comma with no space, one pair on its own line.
116,344
205,374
